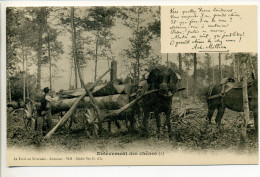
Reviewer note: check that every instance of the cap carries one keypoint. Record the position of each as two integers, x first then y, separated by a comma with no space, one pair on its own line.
46,90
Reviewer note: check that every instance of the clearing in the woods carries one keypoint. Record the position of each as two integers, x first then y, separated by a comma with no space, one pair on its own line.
191,133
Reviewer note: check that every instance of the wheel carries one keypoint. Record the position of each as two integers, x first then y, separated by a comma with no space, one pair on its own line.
91,125
29,121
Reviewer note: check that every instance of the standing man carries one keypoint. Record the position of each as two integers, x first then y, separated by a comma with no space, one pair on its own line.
45,108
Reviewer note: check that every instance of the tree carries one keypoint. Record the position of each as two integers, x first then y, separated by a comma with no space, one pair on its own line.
13,23
29,35
181,73
20,39
141,36
74,46
220,67
195,75
209,69
13,26
52,49
187,59
139,49
71,22
155,25
41,21
244,59
99,21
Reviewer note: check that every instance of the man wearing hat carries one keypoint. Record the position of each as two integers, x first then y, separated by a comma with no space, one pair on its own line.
46,102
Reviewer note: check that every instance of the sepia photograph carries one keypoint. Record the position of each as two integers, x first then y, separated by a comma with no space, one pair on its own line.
126,85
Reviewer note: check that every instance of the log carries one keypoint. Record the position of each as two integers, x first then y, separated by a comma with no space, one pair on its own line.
111,102
124,108
65,117
102,90
72,109
13,104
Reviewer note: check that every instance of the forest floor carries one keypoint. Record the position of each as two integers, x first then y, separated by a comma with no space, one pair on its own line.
190,133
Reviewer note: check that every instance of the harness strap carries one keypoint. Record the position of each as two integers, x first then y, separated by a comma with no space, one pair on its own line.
215,96
223,91
252,97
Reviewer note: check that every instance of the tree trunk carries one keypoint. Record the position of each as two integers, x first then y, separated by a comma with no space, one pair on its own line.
113,72
23,73
40,42
9,90
187,85
70,76
138,52
209,58
96,59
252,66
138,68
110,102
234,69
26,77
74,47
245,103
49,56
82,73
181,82
180,63
39,60
167,60
195,76
237,67
213,73
219,67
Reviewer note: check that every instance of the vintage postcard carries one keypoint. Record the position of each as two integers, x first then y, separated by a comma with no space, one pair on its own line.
131,85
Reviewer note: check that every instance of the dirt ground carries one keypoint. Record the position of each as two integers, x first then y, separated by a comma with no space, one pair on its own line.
190,130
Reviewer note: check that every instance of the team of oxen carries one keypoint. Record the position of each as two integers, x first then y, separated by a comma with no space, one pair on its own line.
156,93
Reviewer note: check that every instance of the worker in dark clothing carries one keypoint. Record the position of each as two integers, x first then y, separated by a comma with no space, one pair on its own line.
45,108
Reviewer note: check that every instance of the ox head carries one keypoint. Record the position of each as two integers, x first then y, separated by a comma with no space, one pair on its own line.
164,79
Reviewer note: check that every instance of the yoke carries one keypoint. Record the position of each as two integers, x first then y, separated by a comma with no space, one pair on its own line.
226,85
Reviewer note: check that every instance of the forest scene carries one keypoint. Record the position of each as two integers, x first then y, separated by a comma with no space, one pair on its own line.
103,66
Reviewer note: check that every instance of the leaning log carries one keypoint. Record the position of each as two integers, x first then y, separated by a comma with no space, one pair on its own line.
113,113
65,118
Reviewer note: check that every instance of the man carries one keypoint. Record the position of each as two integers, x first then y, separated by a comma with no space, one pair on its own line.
45,108
47,100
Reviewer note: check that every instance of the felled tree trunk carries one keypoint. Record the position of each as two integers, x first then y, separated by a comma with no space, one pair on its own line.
111,102
65,117
72,109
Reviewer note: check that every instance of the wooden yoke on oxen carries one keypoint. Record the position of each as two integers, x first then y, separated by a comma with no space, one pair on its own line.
226,85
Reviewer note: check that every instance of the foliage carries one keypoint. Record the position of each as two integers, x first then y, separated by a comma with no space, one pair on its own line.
155,25
94,40
99,22
139,44
140,40
13,22
99,18
155,28
17,86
